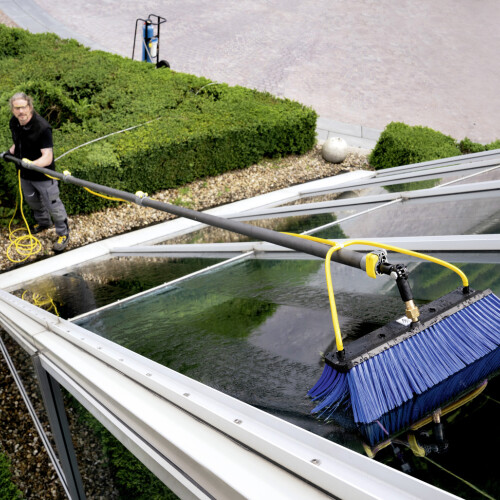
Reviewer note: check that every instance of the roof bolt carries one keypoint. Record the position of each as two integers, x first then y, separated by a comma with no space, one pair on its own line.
99,347
121,359
186,394
148,374
315,461
238,421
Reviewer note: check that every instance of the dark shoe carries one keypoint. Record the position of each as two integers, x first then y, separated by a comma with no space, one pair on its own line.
38,228
61,243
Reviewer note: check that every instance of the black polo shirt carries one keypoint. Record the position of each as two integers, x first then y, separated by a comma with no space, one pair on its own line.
29,140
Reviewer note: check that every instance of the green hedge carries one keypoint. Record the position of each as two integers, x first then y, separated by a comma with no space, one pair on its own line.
467,146
131,477
196,128
401,144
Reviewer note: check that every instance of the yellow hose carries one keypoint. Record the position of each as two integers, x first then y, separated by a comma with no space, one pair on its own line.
27,244
333,307
41,300
419,255
102,195
33,244
337,246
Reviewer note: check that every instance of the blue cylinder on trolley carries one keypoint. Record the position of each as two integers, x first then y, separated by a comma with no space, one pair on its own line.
147,45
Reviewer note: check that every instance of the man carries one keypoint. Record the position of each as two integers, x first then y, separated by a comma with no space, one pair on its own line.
32,136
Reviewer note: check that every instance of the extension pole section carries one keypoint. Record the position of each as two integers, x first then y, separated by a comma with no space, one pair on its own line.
344,256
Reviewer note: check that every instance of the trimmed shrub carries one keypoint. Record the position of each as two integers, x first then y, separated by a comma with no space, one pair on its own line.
190,127
402,144
13,41
467,146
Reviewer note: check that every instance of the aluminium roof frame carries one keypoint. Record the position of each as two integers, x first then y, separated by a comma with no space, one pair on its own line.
199,441
174,424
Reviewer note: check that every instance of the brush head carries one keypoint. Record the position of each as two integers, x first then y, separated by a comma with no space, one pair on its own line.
399,330
458,334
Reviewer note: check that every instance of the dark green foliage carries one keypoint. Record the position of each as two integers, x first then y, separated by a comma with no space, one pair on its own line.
493,145
13,42
131,477
467,146
8,490
401,144
196,128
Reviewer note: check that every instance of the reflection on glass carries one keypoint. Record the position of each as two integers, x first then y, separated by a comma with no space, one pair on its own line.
89,286
465,177
429,217
412,186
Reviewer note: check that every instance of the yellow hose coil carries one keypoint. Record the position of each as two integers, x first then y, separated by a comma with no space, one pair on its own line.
27,244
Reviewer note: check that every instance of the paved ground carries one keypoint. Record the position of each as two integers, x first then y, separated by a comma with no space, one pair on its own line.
367,62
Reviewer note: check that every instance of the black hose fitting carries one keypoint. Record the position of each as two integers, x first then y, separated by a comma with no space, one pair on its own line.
400,273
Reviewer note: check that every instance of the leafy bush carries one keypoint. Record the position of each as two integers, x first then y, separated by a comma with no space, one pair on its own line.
13,42
467,146
132,478
401,144
8,490
190,128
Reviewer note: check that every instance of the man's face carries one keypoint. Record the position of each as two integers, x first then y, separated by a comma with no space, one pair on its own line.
22,111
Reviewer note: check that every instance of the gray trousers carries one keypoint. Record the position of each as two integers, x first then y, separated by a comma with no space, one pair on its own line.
43,199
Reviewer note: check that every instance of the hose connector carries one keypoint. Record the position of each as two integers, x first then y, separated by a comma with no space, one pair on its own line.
412,312
399,272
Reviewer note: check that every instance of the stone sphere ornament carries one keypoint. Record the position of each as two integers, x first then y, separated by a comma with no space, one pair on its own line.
334,150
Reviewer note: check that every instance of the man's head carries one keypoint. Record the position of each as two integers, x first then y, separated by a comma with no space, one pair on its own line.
21,106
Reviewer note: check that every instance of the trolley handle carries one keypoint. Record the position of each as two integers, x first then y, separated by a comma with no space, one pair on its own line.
158,21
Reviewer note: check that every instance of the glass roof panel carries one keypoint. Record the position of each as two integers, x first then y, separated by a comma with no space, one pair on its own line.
431,217
257,329
402,185
92,285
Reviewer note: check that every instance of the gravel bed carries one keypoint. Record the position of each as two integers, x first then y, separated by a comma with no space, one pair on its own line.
32,471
